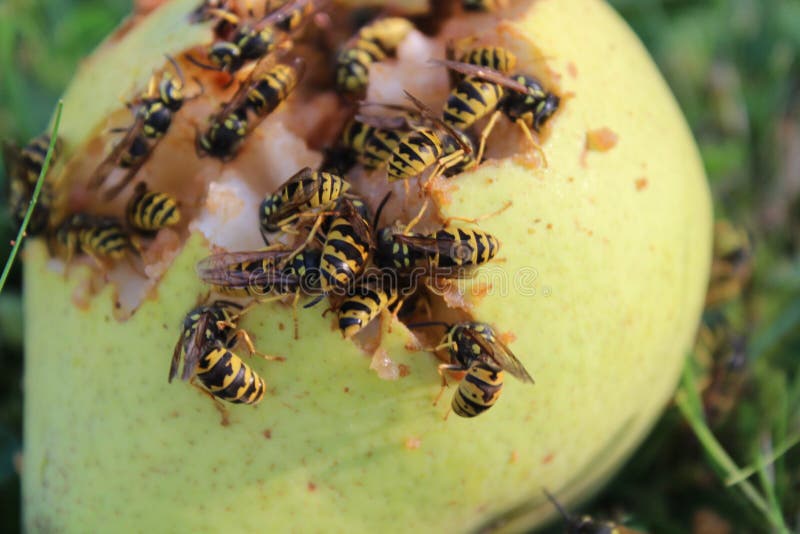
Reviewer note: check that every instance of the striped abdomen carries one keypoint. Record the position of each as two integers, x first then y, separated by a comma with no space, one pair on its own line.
33,155
361,307
344,255
352,65
374,42
226,376
478,391
109,240
471,100
465,247
495,57
418,151
150,211
379,147
272,88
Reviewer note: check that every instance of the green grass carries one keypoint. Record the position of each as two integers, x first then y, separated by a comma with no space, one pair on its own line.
734,66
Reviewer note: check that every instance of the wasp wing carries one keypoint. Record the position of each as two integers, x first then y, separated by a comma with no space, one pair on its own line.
196,346
220,269
501,355
112,161
484,73
426,243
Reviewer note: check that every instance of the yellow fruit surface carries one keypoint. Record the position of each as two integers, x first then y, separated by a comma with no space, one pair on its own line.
605,262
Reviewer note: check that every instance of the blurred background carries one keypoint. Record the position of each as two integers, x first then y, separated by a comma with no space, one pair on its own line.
735,70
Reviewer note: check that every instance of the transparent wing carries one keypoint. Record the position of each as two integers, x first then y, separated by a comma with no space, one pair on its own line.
501,354
111,161
219,269
484,73
195,348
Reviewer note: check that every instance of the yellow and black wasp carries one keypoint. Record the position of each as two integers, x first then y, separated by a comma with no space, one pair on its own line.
250,42
264,274
348,245
102,238
586,524
721,351
153,114
428,144
23,166
150,211
486,91
364,303
259,273
474,348
208,335
371,145
266,87
372,43
452,247
305,192
498,58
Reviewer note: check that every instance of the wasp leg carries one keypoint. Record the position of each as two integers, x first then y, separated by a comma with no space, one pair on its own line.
309,238
531,140
413,222
442,165
244,337
217,403
441,369
487,130
475,220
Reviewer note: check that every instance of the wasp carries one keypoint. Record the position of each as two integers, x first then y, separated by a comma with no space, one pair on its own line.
723,352
520,97
453,247
732,265
208,335
259,273
475,348
100,237
371,145
150,211
498,58
23,167
153,113
586,524
348,244
429,143
266,87
304,191
249,42
363,304
374,42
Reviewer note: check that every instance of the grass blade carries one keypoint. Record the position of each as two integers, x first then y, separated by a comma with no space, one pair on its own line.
45,167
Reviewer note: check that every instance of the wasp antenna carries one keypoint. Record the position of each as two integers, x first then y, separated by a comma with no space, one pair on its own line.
177,68
380,209
200,64
315,301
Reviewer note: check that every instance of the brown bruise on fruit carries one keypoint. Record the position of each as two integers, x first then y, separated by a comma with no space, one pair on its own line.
218,199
